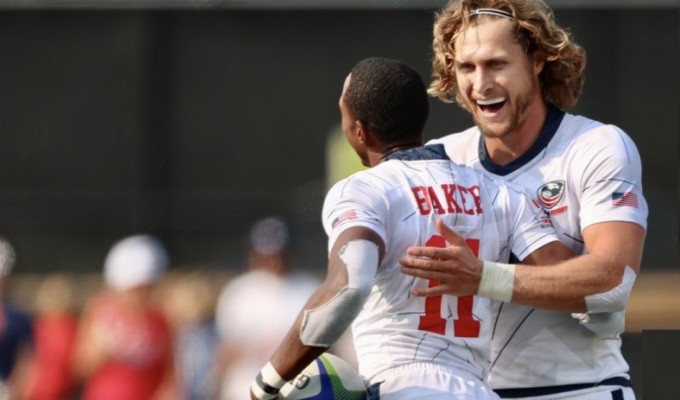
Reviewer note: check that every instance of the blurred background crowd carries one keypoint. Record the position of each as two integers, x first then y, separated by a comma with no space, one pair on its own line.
148,330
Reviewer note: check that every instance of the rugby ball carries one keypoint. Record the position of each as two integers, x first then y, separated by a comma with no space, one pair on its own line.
329,377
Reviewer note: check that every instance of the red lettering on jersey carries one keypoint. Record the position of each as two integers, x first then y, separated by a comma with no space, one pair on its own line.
469,200
434,200
422,199
449,191
466,324
463,191
474,191
432,321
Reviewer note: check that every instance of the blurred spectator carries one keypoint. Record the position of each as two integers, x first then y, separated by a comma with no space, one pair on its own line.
124,347
16,336
188,298
55,326
256,309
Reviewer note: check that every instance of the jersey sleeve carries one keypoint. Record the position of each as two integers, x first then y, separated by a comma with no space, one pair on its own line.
531,227
609,178
353,202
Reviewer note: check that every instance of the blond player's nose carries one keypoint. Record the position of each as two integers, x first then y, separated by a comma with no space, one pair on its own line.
482,81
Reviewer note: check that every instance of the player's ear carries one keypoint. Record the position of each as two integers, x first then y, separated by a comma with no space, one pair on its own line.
361,131
538,62
367,137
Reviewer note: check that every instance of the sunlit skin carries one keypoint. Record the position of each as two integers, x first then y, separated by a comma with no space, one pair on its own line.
351,127
499,85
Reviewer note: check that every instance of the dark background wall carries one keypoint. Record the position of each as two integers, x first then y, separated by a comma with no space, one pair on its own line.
191,123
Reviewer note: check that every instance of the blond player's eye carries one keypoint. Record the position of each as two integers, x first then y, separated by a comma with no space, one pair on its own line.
465,68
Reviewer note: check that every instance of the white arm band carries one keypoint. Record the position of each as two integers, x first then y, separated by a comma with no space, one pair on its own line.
615,299
323,326
267,383
498,281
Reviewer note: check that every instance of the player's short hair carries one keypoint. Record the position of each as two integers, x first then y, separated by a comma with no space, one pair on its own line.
389,97
562,77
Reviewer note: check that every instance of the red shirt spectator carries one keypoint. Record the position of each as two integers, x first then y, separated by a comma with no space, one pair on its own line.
125,346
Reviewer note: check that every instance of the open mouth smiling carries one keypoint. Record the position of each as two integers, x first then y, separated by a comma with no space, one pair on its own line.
491,105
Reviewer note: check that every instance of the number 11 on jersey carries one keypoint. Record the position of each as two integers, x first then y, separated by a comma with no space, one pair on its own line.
464,325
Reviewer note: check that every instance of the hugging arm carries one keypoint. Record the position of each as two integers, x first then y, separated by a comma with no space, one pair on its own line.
563,283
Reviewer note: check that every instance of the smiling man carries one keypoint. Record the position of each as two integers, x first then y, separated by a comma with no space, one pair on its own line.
516,72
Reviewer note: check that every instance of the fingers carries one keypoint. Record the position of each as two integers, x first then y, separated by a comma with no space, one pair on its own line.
425,258
441,253
450,236
425,273
429,292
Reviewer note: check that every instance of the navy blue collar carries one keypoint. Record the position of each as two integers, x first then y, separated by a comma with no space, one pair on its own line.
429,152
552,122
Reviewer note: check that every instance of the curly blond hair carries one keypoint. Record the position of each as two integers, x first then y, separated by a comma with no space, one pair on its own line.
562,77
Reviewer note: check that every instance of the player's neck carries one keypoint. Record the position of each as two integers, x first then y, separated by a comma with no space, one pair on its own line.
394,147
507,148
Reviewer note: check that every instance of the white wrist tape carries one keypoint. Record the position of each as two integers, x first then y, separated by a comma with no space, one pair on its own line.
613,300
498,281
260,393
267,383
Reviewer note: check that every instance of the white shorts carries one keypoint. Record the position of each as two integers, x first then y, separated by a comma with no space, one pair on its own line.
428,381
598,393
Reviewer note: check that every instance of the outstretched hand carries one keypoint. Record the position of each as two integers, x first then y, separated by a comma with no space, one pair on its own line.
456,267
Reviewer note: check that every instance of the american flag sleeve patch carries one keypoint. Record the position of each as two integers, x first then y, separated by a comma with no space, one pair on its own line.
627,199
345,216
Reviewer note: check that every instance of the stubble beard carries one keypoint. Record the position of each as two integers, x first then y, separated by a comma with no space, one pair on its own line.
517,116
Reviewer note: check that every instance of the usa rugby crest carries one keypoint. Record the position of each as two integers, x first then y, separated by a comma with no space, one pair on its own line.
550,193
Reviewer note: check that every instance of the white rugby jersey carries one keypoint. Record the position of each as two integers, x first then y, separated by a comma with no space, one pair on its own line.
401,199
583,172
